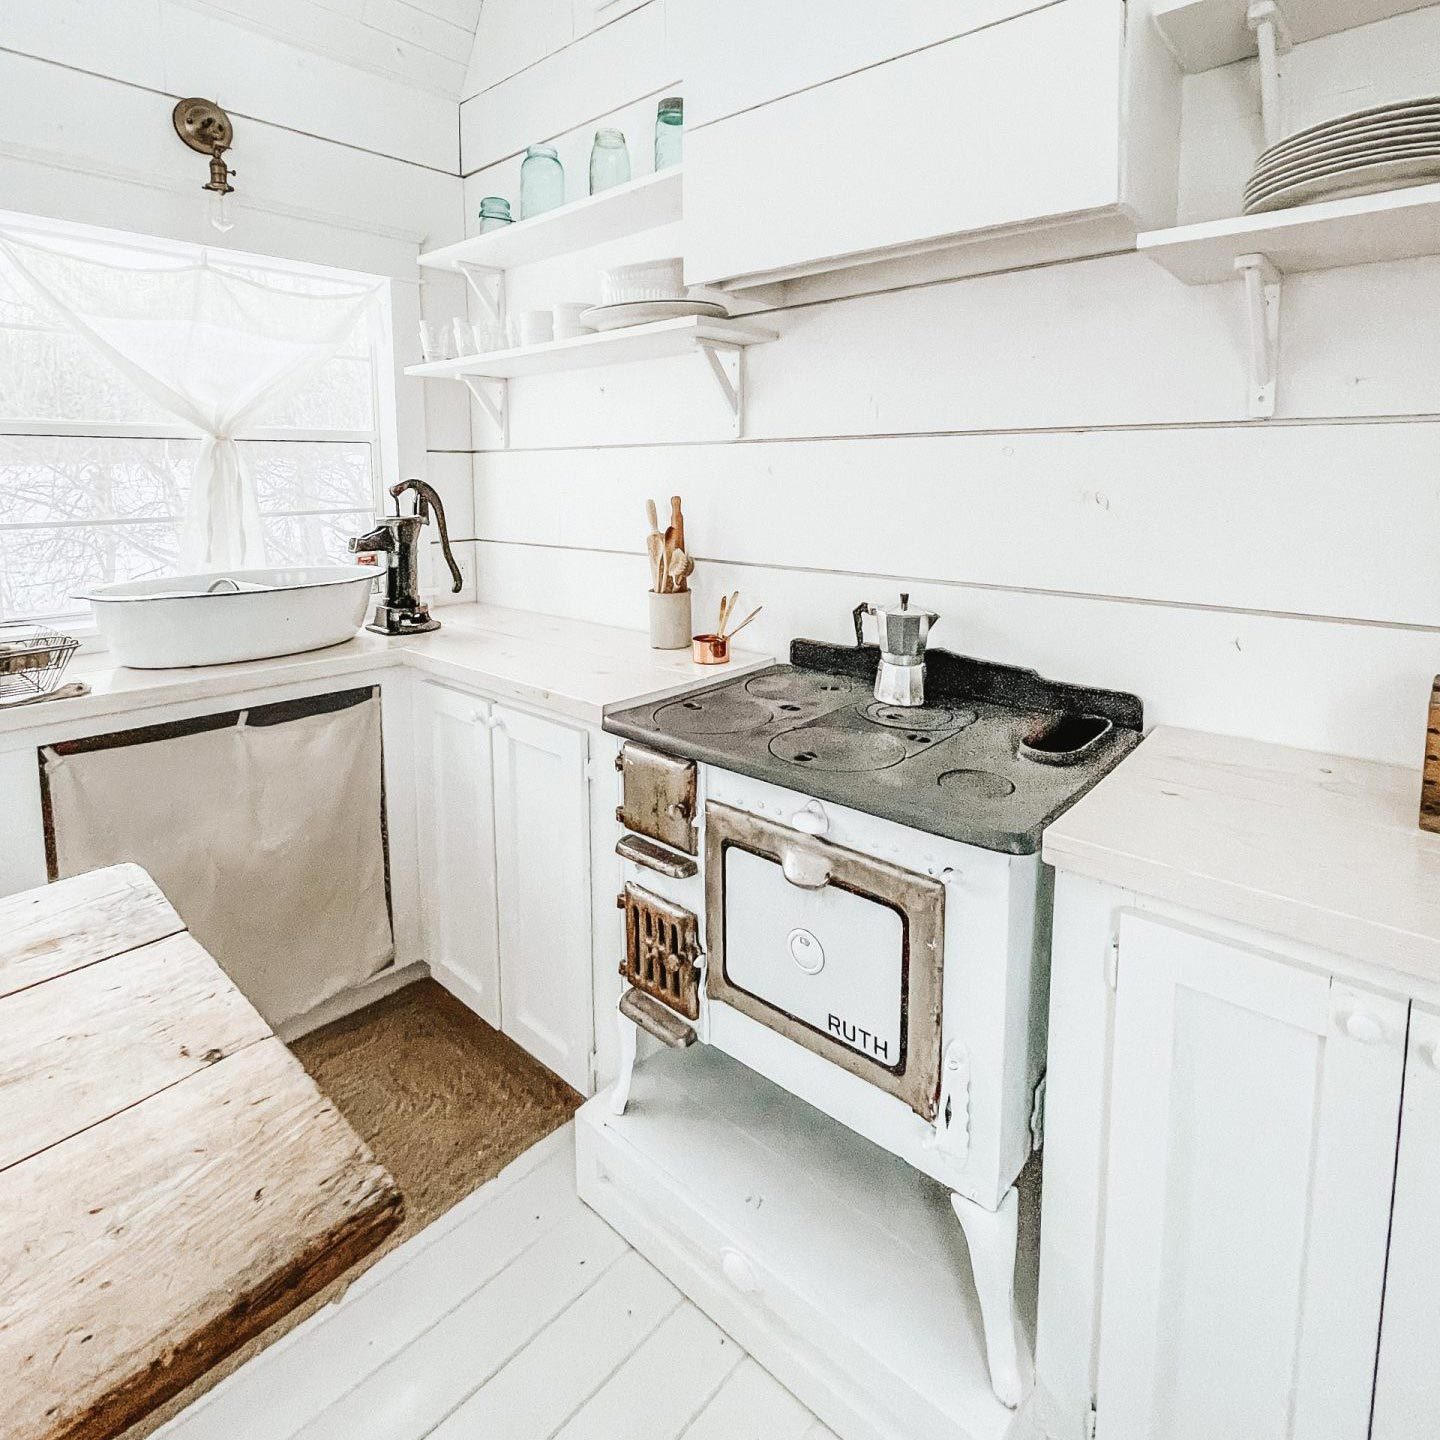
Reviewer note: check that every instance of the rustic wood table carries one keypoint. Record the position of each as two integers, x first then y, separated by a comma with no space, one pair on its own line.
171,1181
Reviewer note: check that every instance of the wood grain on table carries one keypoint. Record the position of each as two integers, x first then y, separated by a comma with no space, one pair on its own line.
171,1180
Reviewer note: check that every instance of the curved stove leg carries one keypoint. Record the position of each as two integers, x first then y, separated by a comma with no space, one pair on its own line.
991,1236
629,1033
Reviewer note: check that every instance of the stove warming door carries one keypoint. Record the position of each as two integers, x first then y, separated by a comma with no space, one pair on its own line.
837,951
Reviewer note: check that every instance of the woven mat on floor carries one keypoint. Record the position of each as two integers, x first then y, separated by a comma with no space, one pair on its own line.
444,1101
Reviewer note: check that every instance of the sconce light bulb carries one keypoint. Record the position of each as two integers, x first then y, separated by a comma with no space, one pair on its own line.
219,211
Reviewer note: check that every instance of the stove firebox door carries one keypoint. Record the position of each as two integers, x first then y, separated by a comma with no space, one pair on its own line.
659,796
848,967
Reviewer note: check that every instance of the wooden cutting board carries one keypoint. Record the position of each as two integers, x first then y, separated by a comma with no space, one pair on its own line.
171,1180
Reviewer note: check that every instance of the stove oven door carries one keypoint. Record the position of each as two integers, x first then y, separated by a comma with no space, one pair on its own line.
837,951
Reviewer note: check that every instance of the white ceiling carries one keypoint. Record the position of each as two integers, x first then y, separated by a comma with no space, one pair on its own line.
424,42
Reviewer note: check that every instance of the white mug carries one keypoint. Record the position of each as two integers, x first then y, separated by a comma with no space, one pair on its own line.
535,327
567,320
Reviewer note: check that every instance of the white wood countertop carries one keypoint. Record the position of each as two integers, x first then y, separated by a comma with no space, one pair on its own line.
568,667
1319,848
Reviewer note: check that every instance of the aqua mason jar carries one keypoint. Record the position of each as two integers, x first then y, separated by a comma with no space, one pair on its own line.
669,132
542,181
494,214
609,160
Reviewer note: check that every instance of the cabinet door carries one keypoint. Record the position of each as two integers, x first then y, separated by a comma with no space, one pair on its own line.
456,844
1407,1381
1254,1107
542,835
746,53
1005,126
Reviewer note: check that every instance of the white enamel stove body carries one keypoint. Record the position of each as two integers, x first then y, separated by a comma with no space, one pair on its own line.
831,962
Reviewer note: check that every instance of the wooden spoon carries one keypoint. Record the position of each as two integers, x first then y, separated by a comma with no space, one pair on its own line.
677,520
656,546
677,567
653,516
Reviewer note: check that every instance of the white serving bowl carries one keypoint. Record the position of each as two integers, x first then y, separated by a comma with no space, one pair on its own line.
179,621
652,280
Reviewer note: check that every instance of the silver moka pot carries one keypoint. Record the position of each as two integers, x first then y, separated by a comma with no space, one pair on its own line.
901,633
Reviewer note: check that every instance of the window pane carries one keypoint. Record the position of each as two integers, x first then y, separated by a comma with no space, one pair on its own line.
340,397
314,539
310,475
49,479
41,568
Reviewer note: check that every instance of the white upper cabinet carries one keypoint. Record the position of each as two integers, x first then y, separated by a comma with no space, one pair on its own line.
1252,1143
1407,1379
971,135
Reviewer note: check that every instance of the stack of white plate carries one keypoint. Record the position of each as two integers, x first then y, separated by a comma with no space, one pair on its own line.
642,294
1383,148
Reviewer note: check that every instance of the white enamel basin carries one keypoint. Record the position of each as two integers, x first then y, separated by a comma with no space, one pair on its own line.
185,620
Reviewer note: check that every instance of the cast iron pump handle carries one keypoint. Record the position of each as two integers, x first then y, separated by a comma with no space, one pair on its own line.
426,500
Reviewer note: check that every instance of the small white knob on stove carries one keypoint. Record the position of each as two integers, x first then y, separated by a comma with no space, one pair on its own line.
812,820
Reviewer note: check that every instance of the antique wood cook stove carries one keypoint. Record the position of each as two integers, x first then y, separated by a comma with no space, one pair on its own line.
845,893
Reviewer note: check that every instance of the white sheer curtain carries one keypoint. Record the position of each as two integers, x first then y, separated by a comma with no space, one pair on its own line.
217,346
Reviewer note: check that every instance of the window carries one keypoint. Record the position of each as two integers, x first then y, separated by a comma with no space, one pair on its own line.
94,474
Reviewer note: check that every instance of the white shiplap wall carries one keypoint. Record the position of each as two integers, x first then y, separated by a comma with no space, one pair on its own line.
342,158
1057,460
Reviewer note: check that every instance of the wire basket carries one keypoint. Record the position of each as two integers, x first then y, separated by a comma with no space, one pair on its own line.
32,659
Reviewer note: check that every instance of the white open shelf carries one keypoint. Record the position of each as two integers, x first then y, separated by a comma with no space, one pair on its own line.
627,209
722,342
1394,225
1204,34
657,341
1260,250
840,1269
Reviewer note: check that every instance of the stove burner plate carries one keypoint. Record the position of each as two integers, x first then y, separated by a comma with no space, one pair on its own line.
824,747
803,685
918,717
716,714
976,785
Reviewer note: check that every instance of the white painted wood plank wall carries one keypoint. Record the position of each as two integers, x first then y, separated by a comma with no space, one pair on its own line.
1058,460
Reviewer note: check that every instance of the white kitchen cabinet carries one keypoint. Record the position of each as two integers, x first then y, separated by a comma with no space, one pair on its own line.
1253,1114
457,845
542,867
1407,1378
1051,124
504,842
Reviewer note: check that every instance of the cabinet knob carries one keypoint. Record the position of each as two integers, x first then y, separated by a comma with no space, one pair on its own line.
494,722
479,716
812,820
1365,1028
1430,1053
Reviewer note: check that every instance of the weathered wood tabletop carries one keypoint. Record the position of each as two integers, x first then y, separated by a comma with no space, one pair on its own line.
171,1180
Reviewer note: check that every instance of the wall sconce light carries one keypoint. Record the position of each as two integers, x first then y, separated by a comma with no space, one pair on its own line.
205,127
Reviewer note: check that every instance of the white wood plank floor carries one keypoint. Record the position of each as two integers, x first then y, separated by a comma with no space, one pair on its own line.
519,1315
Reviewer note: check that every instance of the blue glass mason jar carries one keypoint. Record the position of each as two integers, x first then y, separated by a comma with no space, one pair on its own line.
669,132
494,214
542,181
609,160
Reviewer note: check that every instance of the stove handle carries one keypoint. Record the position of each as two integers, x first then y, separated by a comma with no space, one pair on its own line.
805,868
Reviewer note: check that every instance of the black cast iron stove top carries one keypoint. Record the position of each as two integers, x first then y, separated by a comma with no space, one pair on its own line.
992,758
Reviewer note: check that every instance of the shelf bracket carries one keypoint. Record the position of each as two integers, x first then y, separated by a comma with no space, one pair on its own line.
1262,312
727,365
493,397
489,287
1272,40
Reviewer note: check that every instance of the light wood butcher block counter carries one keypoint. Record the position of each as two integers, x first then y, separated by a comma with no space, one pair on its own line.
1318,848
171,1181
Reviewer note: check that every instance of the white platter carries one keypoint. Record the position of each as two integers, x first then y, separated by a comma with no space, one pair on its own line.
645,312
1363,180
